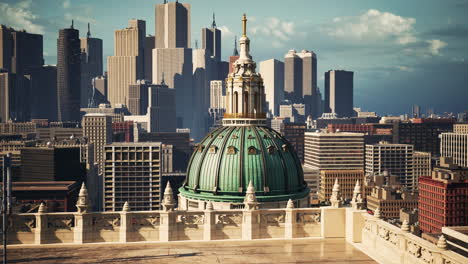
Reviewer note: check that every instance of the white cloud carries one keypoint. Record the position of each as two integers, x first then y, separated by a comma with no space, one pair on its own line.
66,4
225,32
79,18
435,45
20,16
272,27
373,25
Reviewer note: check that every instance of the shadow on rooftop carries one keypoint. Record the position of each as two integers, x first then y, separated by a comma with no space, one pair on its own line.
139,258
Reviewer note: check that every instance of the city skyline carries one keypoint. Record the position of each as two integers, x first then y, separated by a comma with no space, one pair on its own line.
396,51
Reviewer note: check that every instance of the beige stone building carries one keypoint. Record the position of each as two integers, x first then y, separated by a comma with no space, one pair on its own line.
421,165
272,72
334,151
346,179
460,128
386,193
127,64
97,128
455,146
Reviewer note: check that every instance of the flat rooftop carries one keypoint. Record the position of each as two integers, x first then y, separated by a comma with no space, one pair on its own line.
258,251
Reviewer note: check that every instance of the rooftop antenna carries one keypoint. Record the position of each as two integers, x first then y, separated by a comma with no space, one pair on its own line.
213,25
162,79
72,24
235,53
88,35
196,44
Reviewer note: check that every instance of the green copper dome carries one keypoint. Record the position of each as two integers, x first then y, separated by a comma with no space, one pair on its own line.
228,158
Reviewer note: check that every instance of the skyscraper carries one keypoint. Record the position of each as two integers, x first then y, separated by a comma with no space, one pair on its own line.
68,74
211,40
309,82
293,77
172,57
272,72
98,129
150,42
234,56
397,159
127,64
20,52
339,92
91,65
43,83
172,25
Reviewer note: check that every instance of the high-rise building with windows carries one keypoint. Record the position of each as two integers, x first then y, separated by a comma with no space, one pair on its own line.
133,174
421,165
68,74
272,72
443,197
211,40
98,129
397,159
455,145
91,65
346,179
127,64
334,151
172,57
339,92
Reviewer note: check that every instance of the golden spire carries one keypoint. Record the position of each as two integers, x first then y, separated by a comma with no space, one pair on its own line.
244,25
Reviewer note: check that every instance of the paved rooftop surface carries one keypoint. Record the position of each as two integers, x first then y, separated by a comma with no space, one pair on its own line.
259,251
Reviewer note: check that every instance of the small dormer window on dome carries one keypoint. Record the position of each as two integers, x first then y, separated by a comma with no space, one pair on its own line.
271,150
213,149
252,150
285,148
200,148
231,150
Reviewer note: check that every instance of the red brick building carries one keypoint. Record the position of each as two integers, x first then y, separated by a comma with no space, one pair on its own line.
122,131
443,198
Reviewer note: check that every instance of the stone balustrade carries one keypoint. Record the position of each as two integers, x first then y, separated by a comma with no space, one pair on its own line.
387,243
128,226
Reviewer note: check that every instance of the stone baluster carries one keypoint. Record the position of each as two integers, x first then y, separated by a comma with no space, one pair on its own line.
125,223
290,220
41,225
209,224
167,215
81,217
250,223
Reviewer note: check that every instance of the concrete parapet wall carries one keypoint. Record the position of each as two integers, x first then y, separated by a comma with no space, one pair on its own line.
96,227
387,243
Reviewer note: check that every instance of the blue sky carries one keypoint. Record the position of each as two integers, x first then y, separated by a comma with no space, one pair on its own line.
402,52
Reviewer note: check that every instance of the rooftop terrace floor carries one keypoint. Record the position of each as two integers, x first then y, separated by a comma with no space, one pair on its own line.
259,251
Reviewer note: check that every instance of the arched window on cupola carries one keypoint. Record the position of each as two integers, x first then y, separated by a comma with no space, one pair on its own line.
235,103
246,102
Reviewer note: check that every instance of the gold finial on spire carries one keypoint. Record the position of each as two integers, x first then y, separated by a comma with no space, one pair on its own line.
244,25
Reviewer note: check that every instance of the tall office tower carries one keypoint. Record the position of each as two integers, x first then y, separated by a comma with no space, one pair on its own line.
421,165
443,199
99,92
234,56
334,151
98,129
127,64
43,83
172,57
162,108
455,146
293,79
7,84
211,40
294,133
172,25
423,134
150,42
309,82
140,188
385,192
416,111
68,74
346,179
397,159
272,72
91,65
339,93
138,97
20,51
204,71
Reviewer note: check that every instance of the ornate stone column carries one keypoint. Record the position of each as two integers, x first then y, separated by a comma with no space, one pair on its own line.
125,223
41,225
209,224
290,221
